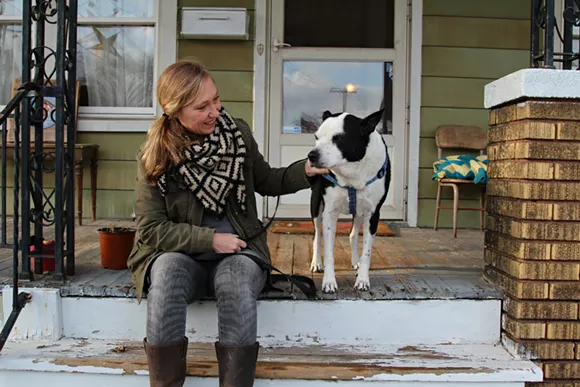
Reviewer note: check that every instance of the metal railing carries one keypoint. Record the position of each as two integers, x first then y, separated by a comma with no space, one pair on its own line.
37,208
542,52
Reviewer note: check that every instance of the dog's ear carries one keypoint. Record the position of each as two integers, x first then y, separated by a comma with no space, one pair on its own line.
325,115
368,124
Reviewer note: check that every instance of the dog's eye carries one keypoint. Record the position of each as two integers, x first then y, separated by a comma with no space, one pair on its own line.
316,137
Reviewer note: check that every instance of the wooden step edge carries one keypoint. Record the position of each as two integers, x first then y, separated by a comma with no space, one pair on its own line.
457,363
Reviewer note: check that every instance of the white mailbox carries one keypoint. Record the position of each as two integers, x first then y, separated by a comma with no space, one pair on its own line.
215,23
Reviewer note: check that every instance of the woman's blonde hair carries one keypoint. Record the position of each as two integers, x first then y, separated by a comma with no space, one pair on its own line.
178,86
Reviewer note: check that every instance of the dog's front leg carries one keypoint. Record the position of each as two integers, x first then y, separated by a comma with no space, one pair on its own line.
329,220
362,279
316,264
353,237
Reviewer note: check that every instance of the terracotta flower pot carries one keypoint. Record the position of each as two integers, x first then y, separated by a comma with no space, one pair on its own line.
116,244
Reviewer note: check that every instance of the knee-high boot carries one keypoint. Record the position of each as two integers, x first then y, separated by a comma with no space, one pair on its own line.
167,363
237,364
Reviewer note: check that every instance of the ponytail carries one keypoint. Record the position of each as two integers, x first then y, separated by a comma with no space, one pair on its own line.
162,147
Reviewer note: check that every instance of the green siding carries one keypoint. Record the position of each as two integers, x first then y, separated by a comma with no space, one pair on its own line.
497,9
466,45
432,117
111,203
488,63
453,31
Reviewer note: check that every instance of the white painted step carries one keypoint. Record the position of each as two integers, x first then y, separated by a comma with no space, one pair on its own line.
280,322
111,363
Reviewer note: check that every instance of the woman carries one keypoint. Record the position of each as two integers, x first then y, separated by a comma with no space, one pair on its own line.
197,174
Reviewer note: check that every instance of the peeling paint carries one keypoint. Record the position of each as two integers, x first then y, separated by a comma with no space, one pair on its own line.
453,363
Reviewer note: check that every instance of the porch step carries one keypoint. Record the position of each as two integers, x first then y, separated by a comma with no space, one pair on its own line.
49,316
113,363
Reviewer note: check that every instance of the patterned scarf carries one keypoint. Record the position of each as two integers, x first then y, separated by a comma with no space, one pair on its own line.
213,169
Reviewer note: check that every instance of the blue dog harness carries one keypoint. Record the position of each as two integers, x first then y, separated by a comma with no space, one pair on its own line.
352,191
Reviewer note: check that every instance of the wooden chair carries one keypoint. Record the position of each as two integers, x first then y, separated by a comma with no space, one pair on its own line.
458,137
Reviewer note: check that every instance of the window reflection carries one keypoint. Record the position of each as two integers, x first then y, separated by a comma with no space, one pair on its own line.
359,88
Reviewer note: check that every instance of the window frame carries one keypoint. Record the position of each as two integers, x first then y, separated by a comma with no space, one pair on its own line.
96,111
125,119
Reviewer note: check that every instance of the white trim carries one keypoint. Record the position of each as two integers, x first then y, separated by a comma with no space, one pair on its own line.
118,21
166,43
260,84
138,124
12,19
87,111
414,112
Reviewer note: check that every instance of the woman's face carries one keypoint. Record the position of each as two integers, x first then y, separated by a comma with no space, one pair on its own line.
199,116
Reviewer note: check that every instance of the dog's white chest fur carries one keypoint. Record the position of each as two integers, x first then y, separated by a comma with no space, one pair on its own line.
336,199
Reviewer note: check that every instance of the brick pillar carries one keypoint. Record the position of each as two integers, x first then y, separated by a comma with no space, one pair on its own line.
532,241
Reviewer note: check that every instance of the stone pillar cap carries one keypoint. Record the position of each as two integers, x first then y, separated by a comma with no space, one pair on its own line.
533,83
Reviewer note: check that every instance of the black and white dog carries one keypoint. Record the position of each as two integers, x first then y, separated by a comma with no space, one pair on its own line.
357,157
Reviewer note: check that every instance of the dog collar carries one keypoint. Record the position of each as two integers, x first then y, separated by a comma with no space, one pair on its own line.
352,190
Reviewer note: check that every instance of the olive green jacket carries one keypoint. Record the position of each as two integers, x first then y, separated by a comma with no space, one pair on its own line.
172,223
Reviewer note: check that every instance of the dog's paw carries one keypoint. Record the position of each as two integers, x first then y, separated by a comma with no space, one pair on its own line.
362,284
316,267
329,285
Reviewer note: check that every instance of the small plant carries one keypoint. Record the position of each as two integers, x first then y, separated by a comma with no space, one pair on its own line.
113,228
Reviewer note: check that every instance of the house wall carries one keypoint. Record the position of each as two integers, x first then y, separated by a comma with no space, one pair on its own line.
466,44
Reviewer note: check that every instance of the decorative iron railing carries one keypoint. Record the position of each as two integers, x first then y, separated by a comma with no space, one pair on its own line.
542,52
37,208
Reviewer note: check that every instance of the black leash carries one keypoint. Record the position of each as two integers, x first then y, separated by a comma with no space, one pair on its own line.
304,283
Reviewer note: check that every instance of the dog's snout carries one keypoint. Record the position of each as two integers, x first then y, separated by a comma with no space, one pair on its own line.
313,156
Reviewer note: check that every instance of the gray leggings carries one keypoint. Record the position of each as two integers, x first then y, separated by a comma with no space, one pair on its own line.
177,280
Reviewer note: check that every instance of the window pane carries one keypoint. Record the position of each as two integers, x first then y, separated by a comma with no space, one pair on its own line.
115,66
310,88
10,8
354,23
116,8
10,59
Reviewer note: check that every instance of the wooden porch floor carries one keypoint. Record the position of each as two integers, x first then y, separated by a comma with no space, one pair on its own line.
415,264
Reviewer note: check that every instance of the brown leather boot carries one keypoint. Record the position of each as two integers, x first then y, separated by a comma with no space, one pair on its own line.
166,363
237,364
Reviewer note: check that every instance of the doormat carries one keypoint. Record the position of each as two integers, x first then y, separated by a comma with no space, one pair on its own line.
307,227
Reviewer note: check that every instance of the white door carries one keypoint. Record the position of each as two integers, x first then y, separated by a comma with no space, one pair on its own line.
347,55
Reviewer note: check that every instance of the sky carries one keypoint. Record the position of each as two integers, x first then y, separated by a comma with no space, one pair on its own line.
307,84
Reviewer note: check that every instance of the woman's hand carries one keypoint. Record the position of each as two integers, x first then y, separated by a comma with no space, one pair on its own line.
311,171
227,243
